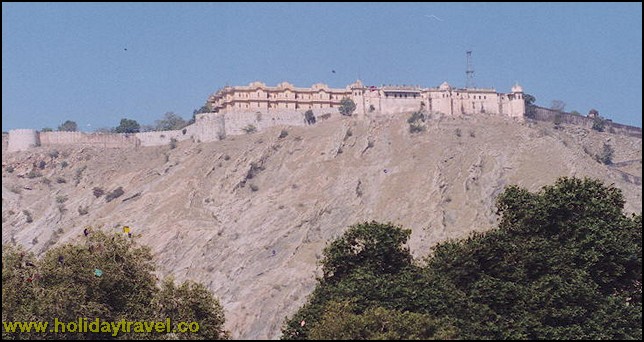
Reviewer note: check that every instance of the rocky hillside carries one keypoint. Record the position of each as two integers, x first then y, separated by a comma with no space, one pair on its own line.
249,216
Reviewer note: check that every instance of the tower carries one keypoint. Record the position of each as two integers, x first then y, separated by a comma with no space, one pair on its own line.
469,73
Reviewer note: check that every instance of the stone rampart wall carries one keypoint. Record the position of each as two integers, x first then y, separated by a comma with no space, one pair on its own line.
549,115
110,140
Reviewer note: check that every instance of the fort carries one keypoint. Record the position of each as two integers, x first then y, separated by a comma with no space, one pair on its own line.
382,99
233,110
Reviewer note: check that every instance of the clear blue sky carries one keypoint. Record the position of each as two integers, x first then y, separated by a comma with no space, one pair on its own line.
68,61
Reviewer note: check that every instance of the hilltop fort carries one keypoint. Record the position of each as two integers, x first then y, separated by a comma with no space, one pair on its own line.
235,110
382,99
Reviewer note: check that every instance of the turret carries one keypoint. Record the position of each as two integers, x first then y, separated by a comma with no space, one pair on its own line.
517,103
22,139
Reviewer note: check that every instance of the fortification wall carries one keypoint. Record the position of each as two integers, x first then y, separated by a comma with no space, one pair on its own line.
159,138
626,130
548,115
397,105
235,122
470,106
22,139
109,140
208,127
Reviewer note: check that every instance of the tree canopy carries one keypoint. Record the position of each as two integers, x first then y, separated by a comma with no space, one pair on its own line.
128,126
563,263
68,126
347,106
530,110
105,276
170,122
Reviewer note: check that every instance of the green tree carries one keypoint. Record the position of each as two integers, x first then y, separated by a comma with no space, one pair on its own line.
68,126
47,129
204,109
339,322
369,266
170,122
105,276
347,106
530,107
192,302
564,262
599,123
416,122
128,126
373,246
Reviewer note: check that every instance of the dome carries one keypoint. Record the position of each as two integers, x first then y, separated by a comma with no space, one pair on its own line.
357,84
445,86
319,86
257,84
285,85
517,88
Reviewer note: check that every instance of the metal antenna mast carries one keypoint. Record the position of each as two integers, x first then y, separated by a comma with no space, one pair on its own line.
469,83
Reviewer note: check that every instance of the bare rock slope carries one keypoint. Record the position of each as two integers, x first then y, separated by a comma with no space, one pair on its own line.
249,216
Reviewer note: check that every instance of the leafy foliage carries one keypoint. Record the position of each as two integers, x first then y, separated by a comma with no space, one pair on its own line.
347,106
563,263
63,284
599,123
170,121
340,323
203,109
530,107
128,126
68,126
416,122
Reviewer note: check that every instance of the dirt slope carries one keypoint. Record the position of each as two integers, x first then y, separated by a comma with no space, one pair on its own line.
250,215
